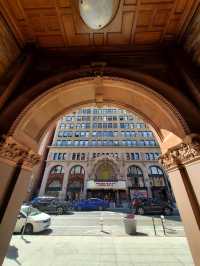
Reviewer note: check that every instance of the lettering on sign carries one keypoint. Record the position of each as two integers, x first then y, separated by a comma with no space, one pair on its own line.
105,184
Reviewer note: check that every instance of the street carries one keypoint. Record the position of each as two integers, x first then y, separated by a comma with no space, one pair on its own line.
110,223
98,238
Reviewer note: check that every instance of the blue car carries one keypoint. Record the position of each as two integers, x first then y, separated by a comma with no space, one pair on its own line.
91,204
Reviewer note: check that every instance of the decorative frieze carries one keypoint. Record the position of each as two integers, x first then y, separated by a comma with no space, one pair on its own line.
182,153
18,153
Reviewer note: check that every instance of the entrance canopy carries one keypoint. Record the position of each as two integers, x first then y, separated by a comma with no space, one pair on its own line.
91,184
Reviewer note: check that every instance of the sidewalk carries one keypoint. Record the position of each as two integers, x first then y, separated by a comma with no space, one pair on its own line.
101,251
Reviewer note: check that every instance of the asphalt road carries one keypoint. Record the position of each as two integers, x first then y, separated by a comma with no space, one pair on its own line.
111,224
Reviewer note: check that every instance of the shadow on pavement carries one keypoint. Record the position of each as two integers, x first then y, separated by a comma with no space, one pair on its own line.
141,234
69,213
13,254
105,232
25,240
45,232
120,210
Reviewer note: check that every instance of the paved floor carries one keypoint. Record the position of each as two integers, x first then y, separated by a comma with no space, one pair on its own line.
98,251
88,223
76,239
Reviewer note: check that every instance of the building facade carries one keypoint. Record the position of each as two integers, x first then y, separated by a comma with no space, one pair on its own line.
107,153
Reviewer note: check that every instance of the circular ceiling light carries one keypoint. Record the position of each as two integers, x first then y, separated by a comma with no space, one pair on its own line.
97,13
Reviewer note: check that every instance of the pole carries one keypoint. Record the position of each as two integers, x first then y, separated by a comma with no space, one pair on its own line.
163,225
154,227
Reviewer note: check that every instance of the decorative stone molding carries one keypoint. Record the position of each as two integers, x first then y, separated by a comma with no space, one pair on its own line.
31,159
182,153
18,153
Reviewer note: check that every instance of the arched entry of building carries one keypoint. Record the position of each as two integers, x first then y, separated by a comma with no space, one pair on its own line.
105,181
172,125
75,185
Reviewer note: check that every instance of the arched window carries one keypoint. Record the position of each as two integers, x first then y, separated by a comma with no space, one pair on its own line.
156,176
135,175
76,182
77,170
58,169
155,170
55,180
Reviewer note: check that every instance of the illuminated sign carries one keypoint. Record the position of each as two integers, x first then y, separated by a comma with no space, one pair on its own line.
91,184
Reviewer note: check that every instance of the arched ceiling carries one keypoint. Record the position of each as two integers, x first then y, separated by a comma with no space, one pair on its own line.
56,24
192,36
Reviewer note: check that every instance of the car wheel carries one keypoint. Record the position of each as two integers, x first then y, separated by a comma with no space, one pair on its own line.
60,211
100,208
28,230
140,211
167,211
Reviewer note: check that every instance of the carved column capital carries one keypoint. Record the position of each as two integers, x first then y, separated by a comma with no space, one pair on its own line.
186,151
13,151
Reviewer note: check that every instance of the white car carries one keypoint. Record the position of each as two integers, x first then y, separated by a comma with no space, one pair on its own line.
32,220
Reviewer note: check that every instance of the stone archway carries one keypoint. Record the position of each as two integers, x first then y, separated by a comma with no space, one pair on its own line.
164,117
19,150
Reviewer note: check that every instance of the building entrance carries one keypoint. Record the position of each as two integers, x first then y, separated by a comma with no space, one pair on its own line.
115,197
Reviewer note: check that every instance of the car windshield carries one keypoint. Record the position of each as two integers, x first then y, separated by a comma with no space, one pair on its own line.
30,211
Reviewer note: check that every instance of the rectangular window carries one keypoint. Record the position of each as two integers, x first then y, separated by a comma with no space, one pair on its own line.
137,156
116,142
134,143
62,126
76,143
55,156
115,134
129,142
60,133
82,156
58,143
86,142
99,143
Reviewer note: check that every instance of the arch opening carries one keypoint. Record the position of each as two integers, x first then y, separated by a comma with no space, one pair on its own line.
167,123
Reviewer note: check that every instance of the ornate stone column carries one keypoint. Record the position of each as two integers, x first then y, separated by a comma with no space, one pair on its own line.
183,165
16,162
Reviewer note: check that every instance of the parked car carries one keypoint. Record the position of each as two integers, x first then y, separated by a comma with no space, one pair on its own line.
50,205
31,220
91,204
153,206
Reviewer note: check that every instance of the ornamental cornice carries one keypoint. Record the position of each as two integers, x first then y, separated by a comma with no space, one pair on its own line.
187,151
13,151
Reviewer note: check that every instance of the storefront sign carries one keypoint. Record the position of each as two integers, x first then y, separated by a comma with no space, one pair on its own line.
106,185
136,193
